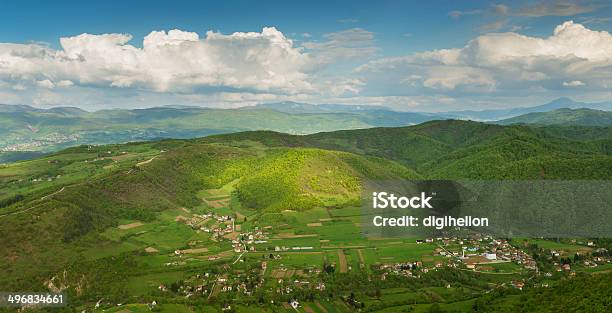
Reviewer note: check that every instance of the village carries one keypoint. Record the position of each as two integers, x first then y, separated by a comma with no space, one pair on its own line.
249,272
482,253
477,253
241,256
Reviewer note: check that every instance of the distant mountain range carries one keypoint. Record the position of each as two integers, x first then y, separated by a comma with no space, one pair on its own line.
25,129
566,117
418,117
499,114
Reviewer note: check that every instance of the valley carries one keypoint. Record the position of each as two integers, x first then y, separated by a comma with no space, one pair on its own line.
265,221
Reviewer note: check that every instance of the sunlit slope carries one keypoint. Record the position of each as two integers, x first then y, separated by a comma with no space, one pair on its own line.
47,224
465,149
300,178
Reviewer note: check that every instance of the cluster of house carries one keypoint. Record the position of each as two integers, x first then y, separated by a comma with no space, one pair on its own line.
302,279
28,144
289,285
222,224
198,285
470,253
246,241
207,284
590,261
238,286
482,250
407,269
284,286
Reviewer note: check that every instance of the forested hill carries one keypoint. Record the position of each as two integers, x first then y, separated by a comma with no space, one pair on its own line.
58,204
466,149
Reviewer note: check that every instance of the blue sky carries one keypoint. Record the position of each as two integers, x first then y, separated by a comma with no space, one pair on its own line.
426,56
46,21
427,24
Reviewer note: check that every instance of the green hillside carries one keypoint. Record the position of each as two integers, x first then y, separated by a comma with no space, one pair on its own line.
54,202
125,222
465,149
300,179
567,117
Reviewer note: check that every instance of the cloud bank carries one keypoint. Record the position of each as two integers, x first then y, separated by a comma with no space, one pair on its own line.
505,62
168,61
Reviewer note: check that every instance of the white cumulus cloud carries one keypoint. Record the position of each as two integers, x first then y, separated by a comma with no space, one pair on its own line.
168,61
502,62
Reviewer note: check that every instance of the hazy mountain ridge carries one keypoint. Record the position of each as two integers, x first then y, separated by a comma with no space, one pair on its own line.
564,116
499,114
24,128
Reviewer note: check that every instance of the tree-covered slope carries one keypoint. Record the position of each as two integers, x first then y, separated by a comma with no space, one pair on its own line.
465,149
300,179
